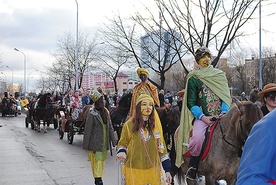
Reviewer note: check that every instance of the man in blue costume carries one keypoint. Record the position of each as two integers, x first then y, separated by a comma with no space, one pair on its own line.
258,161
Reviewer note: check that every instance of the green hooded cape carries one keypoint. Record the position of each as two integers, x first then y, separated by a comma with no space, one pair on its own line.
216,80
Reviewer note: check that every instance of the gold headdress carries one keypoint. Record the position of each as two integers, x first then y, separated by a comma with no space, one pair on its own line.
95,95
142,71
144,97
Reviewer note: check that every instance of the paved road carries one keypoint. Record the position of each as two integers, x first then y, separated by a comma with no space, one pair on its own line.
31,158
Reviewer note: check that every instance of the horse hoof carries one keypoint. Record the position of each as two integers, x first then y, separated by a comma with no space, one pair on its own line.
39,130
45,131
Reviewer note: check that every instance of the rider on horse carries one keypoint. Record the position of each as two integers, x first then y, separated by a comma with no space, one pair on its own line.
207,96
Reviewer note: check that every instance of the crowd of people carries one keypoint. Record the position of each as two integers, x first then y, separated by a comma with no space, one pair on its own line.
142,147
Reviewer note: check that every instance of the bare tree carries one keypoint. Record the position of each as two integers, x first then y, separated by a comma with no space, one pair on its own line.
160,58
237,76
63,69
112,59
211,23
269,65
190,24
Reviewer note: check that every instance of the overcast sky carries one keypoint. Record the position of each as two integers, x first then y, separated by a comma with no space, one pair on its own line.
34,26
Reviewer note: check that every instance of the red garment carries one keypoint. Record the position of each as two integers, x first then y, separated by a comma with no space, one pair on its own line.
75,101
272,181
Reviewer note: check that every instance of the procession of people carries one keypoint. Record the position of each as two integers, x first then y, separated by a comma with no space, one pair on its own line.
142,149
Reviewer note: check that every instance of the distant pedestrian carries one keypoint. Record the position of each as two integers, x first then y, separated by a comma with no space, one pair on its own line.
254,94
86,99
180,94
167,103
115,98
243,97
169,96
161,97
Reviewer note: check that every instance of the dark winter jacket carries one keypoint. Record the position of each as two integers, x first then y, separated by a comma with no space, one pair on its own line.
93,138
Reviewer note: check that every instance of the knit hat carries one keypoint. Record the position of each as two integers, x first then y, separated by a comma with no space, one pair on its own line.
267,88
144,97
142,71
201,52
95,95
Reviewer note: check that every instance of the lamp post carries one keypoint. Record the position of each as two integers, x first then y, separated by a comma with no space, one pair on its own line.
12,77
260,46
24,70
29,79
77,46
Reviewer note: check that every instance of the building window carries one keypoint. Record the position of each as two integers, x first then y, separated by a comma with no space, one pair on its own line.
130,82
124,83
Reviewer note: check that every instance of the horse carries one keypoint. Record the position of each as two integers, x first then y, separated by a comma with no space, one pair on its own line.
170,123
44,110
170,119
119,114
228,138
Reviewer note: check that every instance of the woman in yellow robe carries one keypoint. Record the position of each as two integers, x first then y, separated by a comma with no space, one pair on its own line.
139,149
145,87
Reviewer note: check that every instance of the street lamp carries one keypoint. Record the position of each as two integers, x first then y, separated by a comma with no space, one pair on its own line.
29,79
4,75
77,46
12,78
260,47
24,70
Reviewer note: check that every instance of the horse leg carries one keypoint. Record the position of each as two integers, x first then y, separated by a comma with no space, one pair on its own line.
191,182
209,180
35,125
38,125
44,126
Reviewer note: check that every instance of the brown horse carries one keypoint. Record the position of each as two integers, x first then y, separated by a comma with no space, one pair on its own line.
228,139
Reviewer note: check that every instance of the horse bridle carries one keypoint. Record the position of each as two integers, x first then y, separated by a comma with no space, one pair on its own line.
242,132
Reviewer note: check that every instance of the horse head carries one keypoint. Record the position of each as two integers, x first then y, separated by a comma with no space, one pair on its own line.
250,114
125,101
119,114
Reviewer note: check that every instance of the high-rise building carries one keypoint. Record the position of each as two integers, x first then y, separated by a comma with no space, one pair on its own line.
94,80
159,46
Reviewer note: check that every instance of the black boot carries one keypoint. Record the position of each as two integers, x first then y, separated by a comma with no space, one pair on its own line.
98,181
192,169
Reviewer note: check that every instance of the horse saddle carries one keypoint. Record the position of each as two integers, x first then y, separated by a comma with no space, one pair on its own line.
207,141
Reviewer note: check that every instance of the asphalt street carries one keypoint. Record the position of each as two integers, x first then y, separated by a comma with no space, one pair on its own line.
23,160
31,158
